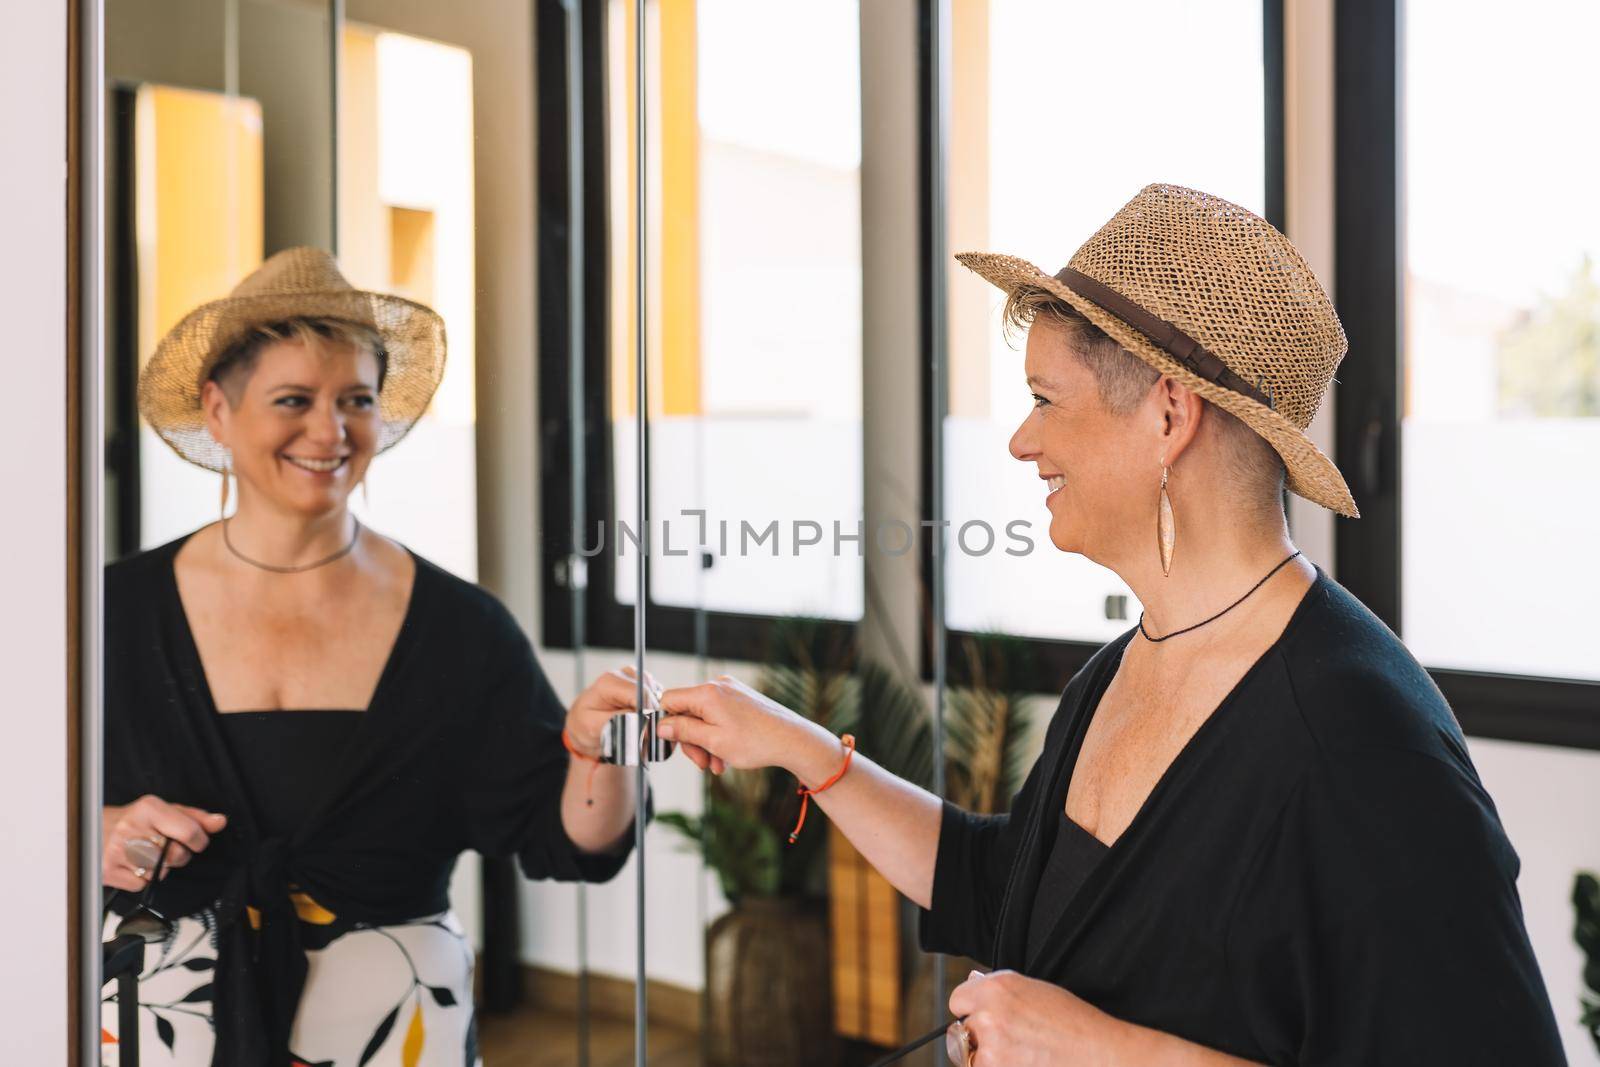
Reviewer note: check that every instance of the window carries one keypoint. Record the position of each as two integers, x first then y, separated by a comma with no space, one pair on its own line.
1036,181
1469,422
754,337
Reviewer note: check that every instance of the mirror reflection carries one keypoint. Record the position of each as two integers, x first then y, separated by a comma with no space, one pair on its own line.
332,754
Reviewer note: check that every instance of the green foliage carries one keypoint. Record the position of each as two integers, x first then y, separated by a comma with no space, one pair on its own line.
1550,358
1586,932
988,725
815,669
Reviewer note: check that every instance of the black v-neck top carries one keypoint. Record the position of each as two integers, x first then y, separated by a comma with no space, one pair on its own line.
459,749
1074,853
1319,876
285,760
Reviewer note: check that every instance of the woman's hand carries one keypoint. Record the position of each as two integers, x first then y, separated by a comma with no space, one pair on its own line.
136,833
1019,1022
739,727
610,694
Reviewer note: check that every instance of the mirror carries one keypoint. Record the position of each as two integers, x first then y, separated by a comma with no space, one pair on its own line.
360,722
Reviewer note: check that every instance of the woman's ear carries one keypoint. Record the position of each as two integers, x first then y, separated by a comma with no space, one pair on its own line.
1179,411
214,404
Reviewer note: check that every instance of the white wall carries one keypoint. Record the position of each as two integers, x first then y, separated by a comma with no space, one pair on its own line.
33,624
1549,802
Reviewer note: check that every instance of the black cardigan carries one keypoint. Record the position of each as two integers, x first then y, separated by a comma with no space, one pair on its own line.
460,749
1318,878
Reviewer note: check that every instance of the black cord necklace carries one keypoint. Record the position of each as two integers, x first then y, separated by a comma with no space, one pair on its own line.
1218,615
297,567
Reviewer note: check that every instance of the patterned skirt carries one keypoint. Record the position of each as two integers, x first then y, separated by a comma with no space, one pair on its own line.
375,996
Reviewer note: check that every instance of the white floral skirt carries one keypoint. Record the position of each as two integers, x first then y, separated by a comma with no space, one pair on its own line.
376,996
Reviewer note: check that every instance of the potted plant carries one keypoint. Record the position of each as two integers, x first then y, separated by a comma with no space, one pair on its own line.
767,967
1586,932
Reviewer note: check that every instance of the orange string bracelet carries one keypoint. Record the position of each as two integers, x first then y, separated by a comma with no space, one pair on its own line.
588,785
849,742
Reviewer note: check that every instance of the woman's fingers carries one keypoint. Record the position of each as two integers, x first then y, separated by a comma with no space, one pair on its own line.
688,730
697,700
179,826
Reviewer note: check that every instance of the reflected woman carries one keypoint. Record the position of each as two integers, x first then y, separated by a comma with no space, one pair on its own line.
310,721
1254,833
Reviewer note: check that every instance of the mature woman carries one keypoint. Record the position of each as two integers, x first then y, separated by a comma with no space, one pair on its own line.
1254,833
310,721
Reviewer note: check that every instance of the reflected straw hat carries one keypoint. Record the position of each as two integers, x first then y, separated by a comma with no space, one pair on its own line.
294,283
1213,296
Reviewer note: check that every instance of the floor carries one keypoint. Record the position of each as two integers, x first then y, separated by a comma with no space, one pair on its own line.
531,1038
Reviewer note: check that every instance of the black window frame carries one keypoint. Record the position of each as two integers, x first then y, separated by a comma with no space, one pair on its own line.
1369,275
608,623
1048,663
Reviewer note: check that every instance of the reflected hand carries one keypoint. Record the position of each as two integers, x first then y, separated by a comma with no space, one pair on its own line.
740,727
135,834
1021,1022
614,692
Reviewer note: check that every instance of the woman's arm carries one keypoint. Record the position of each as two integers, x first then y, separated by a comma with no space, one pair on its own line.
599,800
894,824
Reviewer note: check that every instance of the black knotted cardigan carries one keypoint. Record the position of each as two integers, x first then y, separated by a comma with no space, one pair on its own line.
460,749
1318,878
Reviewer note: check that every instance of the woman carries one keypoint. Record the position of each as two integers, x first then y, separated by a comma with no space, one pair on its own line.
310,721
1254,833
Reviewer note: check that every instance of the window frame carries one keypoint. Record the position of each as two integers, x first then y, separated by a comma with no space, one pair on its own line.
1369,82
608,623
1049,662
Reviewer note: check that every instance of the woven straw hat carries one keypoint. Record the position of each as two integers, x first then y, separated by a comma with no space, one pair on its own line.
297,282
1213,296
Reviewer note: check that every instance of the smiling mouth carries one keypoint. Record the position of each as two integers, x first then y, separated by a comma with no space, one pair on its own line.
1054,483
317,466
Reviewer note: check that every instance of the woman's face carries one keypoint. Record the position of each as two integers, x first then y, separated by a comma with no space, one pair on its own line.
1101,470
306,424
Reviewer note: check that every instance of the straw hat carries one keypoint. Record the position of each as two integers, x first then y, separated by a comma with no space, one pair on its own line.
1213,296
297,282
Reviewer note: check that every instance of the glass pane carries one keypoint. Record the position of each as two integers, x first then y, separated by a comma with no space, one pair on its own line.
1501,341
755,336
1025,180
218,154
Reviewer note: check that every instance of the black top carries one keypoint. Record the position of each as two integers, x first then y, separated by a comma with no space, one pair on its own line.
285,761
1074,852
1318,878
459,749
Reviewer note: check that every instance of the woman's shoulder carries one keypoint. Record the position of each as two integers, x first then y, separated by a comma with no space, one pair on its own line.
141,570
474,612
1355,684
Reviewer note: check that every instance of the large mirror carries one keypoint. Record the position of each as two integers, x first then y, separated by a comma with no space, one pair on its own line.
417,319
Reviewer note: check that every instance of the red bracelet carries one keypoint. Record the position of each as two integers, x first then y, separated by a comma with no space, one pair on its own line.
588,786
849,742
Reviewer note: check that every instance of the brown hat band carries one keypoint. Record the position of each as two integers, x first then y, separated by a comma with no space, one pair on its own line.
1177,344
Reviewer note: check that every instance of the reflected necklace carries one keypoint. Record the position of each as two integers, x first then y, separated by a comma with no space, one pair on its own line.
1218,615
293,568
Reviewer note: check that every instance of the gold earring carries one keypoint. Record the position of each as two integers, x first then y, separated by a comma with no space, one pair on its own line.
1166,529
222,512
365,501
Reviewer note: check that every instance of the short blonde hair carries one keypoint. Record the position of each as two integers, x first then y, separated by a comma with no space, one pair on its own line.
237,362
1123,379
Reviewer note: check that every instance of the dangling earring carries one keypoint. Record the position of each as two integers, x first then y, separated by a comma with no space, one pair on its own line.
366,503
222,512
1166,529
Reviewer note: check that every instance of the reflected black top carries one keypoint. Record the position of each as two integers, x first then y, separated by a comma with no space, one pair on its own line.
460,749
1318,878
285,760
